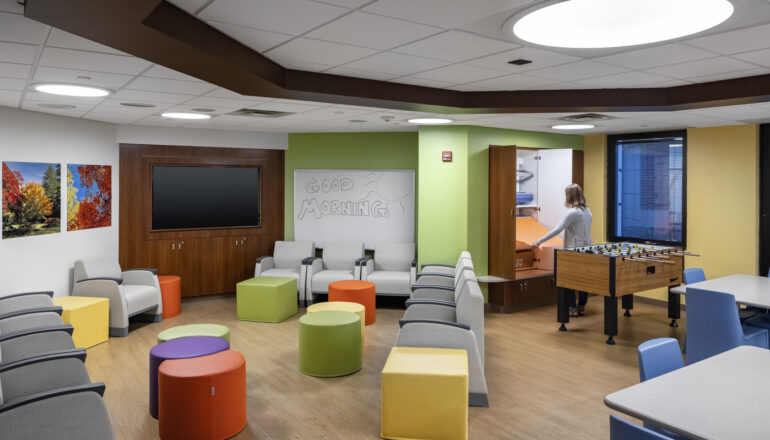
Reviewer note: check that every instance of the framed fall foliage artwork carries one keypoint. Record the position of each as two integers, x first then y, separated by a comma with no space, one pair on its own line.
89,196
31,198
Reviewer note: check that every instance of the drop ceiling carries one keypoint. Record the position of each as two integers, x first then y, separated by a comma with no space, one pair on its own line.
458,46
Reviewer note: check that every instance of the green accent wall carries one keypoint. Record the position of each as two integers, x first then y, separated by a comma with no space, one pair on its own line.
344,151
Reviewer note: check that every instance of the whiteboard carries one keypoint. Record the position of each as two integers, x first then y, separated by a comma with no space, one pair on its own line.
364,205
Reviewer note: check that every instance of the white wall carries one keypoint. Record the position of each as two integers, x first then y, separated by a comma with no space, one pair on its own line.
44,262
197,137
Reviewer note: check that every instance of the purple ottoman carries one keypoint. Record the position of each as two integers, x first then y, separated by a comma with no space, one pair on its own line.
181,348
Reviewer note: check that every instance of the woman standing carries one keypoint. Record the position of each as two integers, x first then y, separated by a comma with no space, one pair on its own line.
577,226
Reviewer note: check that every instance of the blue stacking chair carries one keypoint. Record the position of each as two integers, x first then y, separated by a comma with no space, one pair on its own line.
696,275
623,430
713,325
657,357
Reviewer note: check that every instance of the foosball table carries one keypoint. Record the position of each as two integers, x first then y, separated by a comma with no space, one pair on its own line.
617,270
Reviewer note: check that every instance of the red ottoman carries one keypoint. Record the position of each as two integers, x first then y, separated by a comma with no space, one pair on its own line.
171,293
361,292
202,398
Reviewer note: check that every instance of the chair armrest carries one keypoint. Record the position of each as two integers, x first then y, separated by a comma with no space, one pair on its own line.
79,353
94,387
364,267
57,310
263,263
17,334
432,287
362,260
16,295
436,302
117,280
140,277
153,271
435,265
309,260
403,322
440,275
429,310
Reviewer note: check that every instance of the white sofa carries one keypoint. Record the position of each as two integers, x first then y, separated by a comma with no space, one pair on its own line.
392,270
132,293
338,262
286,262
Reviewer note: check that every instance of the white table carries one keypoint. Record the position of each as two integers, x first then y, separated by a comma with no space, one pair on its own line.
751,290
724,397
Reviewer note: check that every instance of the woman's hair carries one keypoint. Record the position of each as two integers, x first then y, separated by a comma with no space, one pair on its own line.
574,197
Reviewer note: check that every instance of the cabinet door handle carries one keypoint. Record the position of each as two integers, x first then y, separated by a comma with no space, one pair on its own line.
236,242
173,246
180,245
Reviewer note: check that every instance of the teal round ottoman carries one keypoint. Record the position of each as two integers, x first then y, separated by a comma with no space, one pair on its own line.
329,343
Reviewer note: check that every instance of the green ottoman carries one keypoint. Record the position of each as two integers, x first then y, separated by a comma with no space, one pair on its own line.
266,299
329,343
186,331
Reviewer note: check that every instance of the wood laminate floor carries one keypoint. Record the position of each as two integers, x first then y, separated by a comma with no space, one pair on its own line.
543,384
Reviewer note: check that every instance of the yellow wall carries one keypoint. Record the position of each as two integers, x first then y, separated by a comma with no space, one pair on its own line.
722,198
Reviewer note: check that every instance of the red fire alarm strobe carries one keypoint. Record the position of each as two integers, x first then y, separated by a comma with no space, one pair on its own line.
446,156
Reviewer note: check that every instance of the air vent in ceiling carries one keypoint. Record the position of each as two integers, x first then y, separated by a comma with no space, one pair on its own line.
253,113
586,117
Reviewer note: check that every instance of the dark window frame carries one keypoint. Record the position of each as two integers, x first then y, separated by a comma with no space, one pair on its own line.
764,199
612,141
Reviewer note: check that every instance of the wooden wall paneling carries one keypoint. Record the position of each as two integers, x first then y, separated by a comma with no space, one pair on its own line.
577,167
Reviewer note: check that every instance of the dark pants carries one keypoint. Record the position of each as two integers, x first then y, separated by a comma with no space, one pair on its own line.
583,299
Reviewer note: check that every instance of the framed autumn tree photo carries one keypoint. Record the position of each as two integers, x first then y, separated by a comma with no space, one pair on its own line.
89,196
31,199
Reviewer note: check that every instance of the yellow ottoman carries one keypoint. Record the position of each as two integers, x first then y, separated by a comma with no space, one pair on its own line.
342,306
89,316
425,394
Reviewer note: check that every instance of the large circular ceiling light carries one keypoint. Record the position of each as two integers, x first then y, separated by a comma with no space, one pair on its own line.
72,90
615,23
185,115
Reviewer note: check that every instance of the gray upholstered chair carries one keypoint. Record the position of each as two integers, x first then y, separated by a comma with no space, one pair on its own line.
132,293
444,293
392,270
443,324
286,262
27,302
338,262
446,269
439,279
51,396
32,334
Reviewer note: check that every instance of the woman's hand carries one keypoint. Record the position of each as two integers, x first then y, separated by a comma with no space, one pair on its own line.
535,244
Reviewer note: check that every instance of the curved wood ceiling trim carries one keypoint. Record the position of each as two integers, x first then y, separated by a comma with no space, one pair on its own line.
164,34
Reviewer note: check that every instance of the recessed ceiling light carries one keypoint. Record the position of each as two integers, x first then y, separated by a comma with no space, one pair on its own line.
72,90
572,126
612,23
184,115
137,104
519,62
429,121
357,120
58,106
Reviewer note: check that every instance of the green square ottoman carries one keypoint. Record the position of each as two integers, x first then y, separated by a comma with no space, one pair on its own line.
266,299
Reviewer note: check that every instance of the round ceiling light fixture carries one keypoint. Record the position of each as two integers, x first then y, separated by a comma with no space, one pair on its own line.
429,121
572,126
185,115
72,90
586,24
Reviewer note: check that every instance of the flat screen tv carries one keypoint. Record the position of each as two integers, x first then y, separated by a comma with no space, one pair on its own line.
185,197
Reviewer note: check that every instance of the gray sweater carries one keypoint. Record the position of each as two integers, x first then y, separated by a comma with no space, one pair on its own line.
577,226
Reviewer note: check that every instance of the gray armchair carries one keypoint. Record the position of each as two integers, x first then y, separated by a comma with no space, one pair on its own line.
51,396
338,262
132,293
286,262
36,341
446,269
392,270
26,303
440,279
445,293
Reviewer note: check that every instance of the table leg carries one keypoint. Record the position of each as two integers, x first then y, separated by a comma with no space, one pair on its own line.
628,304
611,318
674,308
562,308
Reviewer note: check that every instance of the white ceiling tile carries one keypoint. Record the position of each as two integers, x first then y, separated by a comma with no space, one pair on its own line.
360,73
306,50
669,83
657,56
395,63
17,53
66,40
284,107
212,101
73,113
328,114
15,28
119,115
12,83
116,103
761,57
561,86
455,46
96,62
540,59
698,68
11,6
161,121
142,96
81,104
256,39
623,80
295,64
733,112
444,13
11,70
190,6
513,82
158,71
374,31
468,88
423,82
285,16
743,40
730,75
10,98
459,73
346,3
209,109
170,86
577,70
108,80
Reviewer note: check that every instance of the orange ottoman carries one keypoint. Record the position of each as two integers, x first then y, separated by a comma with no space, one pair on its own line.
202,398
361,292
171,293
